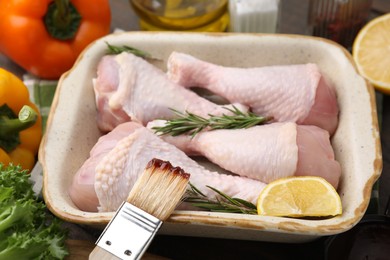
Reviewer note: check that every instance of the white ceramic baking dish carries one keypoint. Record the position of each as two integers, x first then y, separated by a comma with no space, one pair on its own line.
72,131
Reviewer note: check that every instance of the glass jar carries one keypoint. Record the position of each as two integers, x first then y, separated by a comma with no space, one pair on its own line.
338,20
182,15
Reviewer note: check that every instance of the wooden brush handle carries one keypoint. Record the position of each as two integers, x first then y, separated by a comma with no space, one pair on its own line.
101,254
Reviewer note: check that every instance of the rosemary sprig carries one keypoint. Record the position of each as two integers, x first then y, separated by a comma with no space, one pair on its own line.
221,203
112,50
191,124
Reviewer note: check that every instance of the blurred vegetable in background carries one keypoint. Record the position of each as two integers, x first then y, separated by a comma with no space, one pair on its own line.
27,229
45,37
21,135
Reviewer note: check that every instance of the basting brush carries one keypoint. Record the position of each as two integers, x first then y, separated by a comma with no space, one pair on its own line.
153,198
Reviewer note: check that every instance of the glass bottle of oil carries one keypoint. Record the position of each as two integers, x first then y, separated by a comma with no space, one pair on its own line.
182,15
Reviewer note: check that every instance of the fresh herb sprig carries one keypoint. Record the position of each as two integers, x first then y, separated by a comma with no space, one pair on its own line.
113,49
191,124
221,202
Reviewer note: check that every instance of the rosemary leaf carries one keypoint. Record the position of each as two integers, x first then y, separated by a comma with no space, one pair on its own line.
246,203
233,201
191,124
112,49
221,203
196,190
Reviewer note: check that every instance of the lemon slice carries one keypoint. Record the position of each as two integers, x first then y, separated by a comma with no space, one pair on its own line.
371,52
303,196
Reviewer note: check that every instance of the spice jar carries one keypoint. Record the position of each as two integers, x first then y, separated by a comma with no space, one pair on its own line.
254,15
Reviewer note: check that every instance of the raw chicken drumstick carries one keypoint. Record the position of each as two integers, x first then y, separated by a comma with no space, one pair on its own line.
82,190
296,93
105,179
129,88
266,152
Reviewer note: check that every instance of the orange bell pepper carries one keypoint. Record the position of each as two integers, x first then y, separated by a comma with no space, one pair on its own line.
45,37
20,136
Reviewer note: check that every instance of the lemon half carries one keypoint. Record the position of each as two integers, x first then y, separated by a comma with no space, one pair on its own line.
303,196
371,52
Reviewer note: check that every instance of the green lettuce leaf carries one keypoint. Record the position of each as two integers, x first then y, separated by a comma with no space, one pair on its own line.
27,229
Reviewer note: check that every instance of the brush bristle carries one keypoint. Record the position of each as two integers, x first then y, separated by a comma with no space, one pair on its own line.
159,188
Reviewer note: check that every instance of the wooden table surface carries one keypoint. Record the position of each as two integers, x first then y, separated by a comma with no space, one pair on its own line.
173,247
